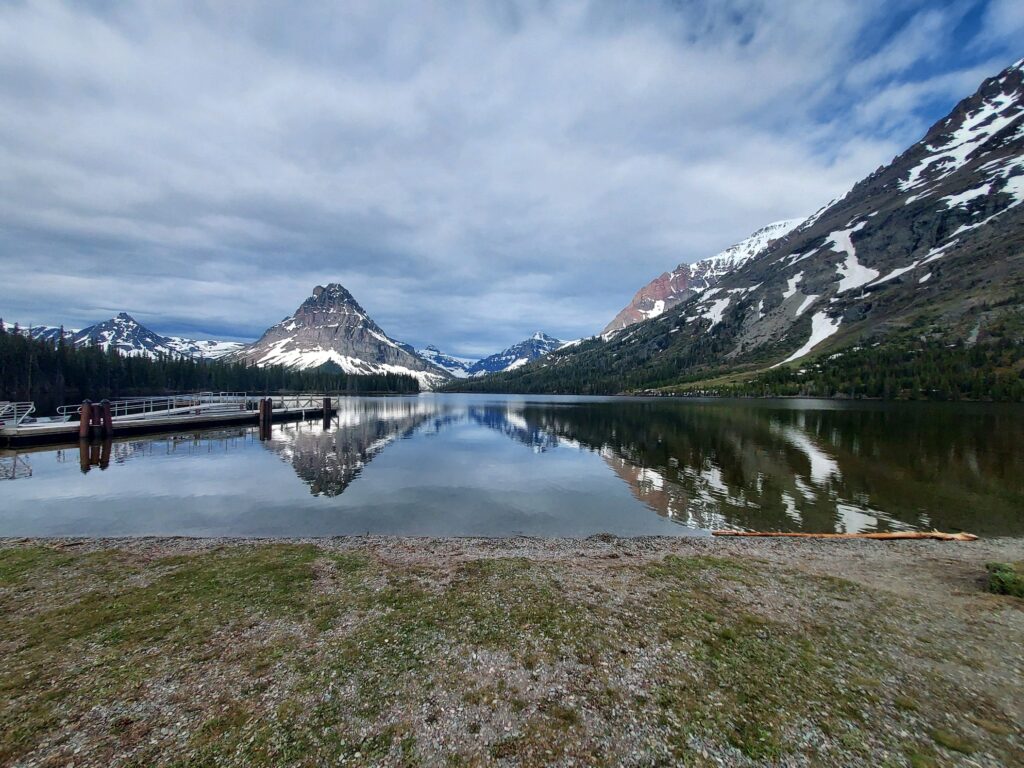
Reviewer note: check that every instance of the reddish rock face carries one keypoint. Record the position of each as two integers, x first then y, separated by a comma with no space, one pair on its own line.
684,281
663,292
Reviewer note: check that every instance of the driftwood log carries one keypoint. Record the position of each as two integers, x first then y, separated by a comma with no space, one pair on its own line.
882,536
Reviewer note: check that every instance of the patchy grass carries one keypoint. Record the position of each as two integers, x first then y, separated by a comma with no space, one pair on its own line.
1005,579
953,741
283,654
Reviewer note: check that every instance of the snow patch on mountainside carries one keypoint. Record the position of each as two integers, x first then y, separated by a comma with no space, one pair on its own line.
822,326
281,354
852,273
974,132
456,366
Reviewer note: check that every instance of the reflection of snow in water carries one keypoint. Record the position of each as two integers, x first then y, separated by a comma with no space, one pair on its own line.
823,466
791,511
701,497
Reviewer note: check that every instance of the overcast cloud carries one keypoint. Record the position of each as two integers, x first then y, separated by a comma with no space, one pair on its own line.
471,172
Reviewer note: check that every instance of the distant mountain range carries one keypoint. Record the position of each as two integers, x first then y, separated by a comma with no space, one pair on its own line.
130,337
928,248
329,328
456,366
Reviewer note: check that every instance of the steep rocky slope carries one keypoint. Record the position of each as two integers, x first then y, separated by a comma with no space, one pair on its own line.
686,280
929,246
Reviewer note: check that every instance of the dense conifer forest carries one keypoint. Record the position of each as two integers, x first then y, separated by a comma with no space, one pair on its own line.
54,373
892,370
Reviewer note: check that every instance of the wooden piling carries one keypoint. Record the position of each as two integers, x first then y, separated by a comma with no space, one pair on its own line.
106,419
84,419
327,413
105,450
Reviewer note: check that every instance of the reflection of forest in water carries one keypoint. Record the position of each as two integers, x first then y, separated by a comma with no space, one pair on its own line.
744,464
776,467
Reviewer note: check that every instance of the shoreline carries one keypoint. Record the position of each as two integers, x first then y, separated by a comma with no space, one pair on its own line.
382,650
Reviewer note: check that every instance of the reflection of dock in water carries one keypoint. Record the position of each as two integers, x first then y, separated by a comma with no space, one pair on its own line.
14,467
100,454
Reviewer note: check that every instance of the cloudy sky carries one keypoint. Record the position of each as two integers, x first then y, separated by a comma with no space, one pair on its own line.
471,172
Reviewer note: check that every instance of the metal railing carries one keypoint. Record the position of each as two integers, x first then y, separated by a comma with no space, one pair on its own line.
298,402
150,408
14,413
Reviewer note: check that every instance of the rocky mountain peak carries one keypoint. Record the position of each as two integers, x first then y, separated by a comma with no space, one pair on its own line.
331,328
538,345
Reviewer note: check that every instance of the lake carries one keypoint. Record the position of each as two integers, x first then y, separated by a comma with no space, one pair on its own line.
486,465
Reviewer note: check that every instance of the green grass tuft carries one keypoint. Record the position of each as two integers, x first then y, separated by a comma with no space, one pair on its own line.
1004,579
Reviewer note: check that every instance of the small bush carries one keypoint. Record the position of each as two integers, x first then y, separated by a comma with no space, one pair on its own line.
1003,579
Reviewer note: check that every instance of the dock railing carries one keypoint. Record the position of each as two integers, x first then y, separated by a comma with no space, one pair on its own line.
14,413
151,408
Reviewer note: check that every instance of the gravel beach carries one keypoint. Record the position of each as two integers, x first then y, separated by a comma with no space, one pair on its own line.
517,651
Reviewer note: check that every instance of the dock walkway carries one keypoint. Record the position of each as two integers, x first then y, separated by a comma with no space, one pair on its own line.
19,426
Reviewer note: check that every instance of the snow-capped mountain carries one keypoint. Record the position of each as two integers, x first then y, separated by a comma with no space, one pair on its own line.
930,246
456,366
125,334
331,328
130,337
202,349
48,333
538,345
675,287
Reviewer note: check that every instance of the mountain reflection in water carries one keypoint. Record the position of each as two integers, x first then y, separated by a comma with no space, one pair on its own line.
755,465
740,465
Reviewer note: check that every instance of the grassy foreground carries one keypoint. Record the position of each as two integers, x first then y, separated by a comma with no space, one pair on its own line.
515,652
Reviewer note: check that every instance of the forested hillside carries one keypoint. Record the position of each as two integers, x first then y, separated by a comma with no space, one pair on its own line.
52,373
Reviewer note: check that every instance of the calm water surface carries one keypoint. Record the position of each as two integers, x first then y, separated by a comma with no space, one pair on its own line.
465,465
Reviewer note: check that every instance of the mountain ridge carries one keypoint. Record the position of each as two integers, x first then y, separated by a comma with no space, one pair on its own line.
515,356
672,288
928,246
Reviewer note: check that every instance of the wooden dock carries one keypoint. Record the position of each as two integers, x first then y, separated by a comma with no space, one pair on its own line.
88,420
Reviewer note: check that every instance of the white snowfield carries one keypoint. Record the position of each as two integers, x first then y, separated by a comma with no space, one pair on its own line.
852,273
280,354
735,256
208,349
808,300
456,366
791,285
822,326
